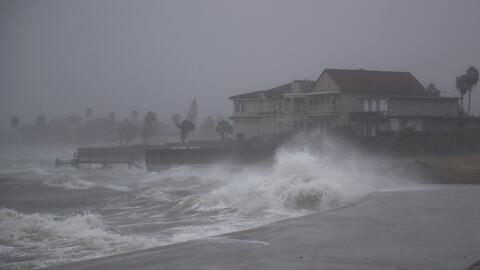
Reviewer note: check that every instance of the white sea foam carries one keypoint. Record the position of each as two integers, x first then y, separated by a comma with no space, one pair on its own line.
297,181
234,241
69,182
73,182
41,240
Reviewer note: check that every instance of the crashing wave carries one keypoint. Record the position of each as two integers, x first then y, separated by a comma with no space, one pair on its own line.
40,240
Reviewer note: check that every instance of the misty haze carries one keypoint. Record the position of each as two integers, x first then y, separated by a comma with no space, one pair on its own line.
239,135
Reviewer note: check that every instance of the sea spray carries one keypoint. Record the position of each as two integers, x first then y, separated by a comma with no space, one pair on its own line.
123,210
297,181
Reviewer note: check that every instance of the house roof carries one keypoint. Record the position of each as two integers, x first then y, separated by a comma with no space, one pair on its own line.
277,92
376,82
413,97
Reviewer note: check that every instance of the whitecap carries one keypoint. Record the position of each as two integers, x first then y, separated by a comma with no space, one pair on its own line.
46,239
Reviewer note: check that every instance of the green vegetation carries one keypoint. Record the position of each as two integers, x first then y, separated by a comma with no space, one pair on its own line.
223,128
465,83
148,126
186,125
447,169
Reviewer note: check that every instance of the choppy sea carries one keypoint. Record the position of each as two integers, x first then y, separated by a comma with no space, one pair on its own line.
51,215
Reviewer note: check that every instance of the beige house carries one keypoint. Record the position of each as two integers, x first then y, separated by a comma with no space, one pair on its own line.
390,114
318,105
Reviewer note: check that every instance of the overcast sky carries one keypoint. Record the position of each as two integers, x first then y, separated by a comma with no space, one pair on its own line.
59,57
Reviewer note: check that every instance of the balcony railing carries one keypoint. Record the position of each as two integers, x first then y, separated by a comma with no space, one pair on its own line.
311,109
295,109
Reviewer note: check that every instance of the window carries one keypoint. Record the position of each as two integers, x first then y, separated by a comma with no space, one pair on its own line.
240,107
298,105
415,124
374,105
322,100
365,105
394,124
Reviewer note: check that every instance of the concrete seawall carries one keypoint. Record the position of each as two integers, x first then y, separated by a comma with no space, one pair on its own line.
157,157
425,229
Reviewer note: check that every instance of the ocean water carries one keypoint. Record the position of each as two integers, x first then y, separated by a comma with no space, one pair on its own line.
50,215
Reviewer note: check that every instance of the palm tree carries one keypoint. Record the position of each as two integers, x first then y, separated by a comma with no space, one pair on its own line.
149,126
462,87
192,112
186,126
433,90
14,122
41,126
472,79
126,131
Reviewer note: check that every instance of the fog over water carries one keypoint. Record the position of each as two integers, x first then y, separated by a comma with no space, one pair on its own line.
59,57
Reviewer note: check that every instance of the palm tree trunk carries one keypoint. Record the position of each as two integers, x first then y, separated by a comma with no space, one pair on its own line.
469,96
461,103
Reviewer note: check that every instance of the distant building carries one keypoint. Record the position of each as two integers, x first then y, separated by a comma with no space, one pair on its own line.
341,98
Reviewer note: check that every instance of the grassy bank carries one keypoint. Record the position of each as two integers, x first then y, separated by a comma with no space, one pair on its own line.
447,169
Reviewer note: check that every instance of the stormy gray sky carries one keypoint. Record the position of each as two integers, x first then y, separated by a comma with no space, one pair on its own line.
59,57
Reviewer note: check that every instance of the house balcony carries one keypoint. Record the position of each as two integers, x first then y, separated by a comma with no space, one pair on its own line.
312,109
295,109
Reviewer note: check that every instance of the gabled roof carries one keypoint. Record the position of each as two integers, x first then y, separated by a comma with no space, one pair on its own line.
376,82
277,92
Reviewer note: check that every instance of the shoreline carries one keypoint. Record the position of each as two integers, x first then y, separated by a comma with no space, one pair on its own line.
375,233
